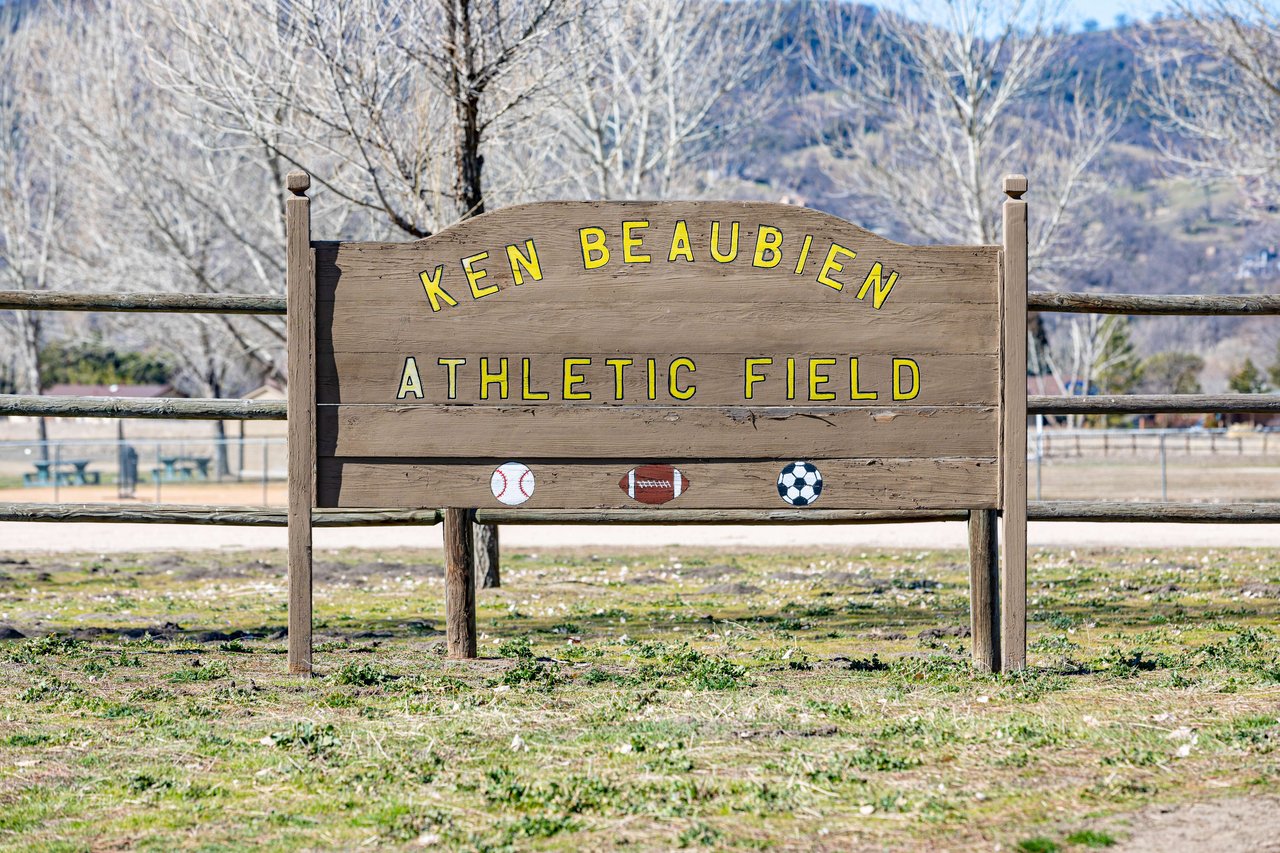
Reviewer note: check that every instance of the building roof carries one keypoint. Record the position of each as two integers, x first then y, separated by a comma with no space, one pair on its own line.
77,390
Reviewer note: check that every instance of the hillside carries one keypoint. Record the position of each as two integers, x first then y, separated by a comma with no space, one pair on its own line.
1172,234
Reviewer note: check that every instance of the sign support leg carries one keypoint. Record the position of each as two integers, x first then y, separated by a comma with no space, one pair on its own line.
1013,448
301,328
984,590
459,584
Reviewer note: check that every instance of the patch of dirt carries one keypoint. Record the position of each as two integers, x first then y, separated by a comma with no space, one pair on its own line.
731,588
878,634
949,631
167,631
792,575
709,573
359,573
643,580
1260,590
205,571
819,731
1228,825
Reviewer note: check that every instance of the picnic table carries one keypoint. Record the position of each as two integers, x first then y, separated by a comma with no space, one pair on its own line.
68,472
173,469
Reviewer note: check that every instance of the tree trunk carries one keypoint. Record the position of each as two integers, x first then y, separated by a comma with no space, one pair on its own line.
29,328
465,93
220,449
486,556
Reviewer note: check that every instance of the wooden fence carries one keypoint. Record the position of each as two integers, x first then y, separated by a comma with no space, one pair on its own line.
984,575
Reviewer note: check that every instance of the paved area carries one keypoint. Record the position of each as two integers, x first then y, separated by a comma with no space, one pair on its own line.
29,536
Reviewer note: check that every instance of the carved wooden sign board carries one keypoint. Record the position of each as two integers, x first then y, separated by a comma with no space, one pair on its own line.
701,355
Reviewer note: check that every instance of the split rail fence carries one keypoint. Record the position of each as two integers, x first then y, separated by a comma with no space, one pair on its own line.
984,571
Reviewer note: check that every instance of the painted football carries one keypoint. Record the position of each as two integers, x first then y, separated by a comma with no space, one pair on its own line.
654,484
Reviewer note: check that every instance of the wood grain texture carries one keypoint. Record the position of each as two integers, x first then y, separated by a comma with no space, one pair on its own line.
142,407
667,433
659,515
984,589
965,272
302,422
168,303
521,284
1135,404
718,379
1117,512
573,483
1150,304
652,328
1013,450
202,514
459,584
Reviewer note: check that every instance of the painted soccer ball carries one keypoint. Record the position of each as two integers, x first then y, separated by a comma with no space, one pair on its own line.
800,483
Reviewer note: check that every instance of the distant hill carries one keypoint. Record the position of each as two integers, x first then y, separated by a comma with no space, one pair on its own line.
1175,236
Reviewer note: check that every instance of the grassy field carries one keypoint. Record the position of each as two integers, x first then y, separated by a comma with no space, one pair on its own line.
647,701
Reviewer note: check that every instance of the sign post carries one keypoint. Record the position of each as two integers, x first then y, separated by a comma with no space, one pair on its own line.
699,356
300,273
1013,626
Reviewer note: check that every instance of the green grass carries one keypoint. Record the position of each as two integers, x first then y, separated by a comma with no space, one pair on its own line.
618,705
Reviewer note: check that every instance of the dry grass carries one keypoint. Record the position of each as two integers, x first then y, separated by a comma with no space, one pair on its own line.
654,701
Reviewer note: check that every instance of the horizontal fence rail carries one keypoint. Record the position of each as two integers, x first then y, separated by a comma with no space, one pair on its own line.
166,408
713,516
1125,303
275,410
188,303
1100,511
232,516
1181,513
1154,404
170,303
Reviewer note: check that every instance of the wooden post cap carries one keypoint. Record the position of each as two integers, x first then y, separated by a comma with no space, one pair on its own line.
298,181
1015,185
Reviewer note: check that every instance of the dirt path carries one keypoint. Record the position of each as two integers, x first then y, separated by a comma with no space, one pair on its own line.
30,536
1234,825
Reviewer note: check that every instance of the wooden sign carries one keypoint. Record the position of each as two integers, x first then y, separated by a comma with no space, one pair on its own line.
699,355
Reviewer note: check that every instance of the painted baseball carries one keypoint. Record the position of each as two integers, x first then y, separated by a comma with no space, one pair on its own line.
654,484
512,483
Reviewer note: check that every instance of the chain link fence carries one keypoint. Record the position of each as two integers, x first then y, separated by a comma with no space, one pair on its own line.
142,468
1164,464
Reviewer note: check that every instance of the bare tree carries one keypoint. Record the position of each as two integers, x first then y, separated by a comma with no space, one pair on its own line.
1214,87
1094,354
660,88
33,208
928,117
172,205
390,105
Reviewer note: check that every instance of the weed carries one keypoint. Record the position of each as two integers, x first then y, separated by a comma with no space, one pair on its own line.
1091,838
363,674
307,737
700,834
1040,844
52,645
201,672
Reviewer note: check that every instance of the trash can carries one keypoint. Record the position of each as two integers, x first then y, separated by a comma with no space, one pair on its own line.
128,479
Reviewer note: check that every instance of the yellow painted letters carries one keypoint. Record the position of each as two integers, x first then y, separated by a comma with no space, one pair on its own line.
435,293
768,245
410,381
522,263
